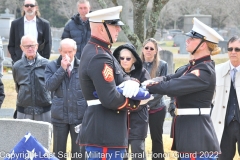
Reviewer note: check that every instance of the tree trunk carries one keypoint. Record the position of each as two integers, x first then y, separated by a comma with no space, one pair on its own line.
139,10
102,3
154,16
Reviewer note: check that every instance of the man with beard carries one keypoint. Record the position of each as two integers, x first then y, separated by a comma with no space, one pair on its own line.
30,24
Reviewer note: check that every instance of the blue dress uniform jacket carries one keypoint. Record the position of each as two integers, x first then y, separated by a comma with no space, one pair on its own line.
68,103
193,89
105,124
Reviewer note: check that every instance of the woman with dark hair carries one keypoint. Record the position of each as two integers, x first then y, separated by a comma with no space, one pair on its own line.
138,119
157,112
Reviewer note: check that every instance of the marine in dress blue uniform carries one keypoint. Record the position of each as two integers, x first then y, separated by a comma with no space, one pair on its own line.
194,136
104,127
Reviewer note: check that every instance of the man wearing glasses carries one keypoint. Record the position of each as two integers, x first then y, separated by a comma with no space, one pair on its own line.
33,100
225,114
30,24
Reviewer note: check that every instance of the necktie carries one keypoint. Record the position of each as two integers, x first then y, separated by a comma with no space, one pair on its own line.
234,76
69,71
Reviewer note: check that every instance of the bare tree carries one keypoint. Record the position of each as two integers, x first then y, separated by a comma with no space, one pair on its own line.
66,8
139,11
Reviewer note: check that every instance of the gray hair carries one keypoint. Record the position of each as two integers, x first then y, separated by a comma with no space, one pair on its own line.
83,1
28,37
125,49
68,41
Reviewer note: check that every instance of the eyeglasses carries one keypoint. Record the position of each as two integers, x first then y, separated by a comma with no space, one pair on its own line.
29,46
231,49
127,58
29,5
146,48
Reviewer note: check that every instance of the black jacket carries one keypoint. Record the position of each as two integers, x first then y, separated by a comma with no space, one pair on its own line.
79,31
30,84
103,124
68,103
193,89
157,102
17,32
138,120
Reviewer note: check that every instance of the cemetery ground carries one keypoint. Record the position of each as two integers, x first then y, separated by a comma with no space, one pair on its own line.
179,60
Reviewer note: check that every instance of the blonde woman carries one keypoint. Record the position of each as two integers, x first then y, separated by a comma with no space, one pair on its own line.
194,136
157,112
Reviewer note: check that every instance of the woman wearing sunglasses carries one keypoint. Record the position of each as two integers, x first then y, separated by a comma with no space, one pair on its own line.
157,112
138,119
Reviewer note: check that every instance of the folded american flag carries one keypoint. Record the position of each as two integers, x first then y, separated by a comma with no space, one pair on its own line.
141,95
29,149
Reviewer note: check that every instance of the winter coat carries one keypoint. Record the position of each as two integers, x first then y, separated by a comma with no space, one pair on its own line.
30,84
138,120
222,91
79,31
158,101
68,103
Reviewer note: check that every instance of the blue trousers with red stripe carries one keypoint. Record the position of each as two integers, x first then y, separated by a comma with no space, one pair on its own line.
104,153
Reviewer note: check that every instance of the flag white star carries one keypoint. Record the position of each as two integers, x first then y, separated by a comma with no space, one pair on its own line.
31,154
27,137
145,93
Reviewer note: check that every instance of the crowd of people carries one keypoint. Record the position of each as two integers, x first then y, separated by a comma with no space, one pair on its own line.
90,92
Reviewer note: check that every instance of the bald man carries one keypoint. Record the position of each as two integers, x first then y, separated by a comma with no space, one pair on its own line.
33,100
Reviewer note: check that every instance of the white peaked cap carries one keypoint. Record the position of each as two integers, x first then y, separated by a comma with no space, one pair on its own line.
108,15
202,31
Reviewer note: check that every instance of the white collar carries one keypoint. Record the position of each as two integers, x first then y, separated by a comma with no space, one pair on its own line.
72,63
25,19
232,67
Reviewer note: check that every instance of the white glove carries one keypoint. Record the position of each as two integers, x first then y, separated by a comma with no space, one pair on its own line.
146,100
147,82
130,88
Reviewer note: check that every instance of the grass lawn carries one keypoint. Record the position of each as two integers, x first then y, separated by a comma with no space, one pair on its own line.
10,102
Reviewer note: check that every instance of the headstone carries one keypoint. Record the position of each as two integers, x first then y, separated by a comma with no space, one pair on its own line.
56,38
188,21
168,57
5,23
180,40
6,112
223,46
12,131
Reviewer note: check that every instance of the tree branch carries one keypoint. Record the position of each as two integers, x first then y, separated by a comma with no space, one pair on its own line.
154,16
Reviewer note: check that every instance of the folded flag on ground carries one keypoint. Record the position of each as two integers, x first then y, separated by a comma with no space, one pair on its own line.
29,149
141,95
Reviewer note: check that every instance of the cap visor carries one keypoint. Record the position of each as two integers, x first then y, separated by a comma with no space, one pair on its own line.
189,34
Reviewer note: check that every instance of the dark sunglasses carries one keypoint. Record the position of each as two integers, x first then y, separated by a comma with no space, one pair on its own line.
127,58
146,48
29,5
231,49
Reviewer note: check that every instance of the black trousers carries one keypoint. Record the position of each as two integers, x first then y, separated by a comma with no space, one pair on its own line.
138,147
231,136
156,130
60,135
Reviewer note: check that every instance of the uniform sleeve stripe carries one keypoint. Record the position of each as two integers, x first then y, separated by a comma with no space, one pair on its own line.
123,104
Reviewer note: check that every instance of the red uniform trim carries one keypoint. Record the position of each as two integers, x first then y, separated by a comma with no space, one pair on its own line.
126,102
105,149
192,158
